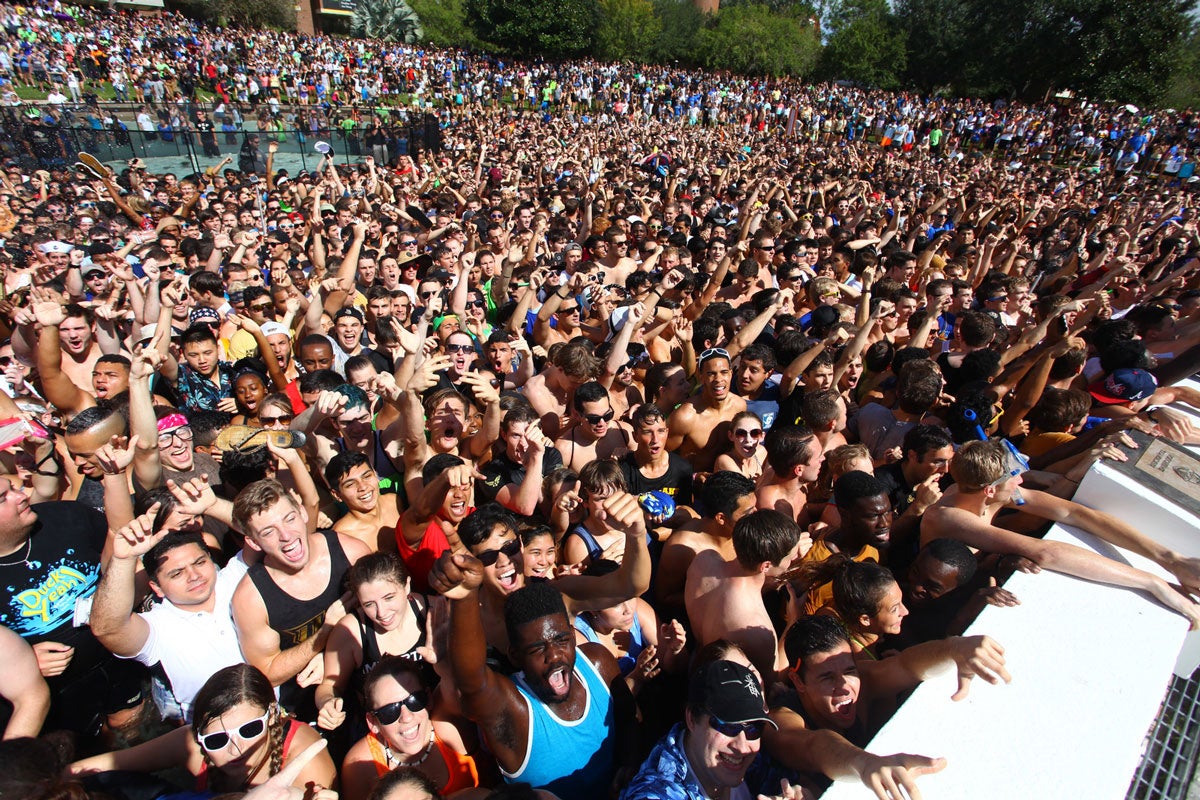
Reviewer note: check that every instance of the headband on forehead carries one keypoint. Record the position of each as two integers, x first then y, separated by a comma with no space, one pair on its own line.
172,421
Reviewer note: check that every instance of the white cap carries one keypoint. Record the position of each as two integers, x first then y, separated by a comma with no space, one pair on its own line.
56,247
270,329
147,331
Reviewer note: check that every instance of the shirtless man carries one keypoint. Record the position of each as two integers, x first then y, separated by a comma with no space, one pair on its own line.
985,483
551,390
288,603
68,330
562,305
724,598
825,413
726,497
794,454
700,427
595,436
822,724
371,516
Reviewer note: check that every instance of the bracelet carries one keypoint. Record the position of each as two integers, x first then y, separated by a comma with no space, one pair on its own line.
37,468
657,291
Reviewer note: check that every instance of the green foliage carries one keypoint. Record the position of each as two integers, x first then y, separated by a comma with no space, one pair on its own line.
279,14
1121,50
553,28
1183,89
680,24
627,30
866,45
390,20
445,23
753,40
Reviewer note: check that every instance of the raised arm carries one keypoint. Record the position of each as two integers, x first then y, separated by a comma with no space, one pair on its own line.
488,698
113,620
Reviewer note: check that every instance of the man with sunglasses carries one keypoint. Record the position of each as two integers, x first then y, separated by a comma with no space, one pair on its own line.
821,724
595,435
709,753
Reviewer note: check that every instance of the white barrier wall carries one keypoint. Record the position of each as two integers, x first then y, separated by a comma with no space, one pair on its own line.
1090,666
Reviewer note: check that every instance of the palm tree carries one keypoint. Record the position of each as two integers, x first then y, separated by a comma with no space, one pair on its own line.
393,20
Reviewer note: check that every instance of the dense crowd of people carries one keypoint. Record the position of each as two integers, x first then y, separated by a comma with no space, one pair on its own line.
653,436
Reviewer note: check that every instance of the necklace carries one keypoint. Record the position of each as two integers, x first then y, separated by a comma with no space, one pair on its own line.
389,755
24,561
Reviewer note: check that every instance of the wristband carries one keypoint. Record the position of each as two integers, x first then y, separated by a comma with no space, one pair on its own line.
1150,412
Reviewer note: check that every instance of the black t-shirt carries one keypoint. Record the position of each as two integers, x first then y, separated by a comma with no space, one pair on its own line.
41,583
899,492
676,481
502,470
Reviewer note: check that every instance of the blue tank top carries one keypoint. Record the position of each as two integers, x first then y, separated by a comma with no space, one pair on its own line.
637,642
570,759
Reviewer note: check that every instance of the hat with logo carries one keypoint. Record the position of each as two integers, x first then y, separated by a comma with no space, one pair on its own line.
1124,386
728,691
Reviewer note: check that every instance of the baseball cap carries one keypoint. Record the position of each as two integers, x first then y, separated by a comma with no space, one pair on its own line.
146,332
1124,386
728,691
572,246
89,268
346,311
204,314
270,329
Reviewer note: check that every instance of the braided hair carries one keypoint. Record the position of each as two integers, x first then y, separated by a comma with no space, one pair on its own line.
230,687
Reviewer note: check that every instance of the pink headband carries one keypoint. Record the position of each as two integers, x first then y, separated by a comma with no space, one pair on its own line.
172,421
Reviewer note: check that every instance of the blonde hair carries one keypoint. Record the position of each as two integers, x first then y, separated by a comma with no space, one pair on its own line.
978,465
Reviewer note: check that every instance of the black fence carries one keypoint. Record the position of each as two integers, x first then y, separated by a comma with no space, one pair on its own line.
42,145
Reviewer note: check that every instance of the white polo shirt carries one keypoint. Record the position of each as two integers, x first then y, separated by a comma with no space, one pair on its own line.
193,645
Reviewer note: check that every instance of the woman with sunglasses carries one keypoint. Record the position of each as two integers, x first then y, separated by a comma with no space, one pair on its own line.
239,737
404,733
391,621
746,454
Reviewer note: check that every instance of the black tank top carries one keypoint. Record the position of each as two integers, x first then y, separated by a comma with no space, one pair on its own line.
297,620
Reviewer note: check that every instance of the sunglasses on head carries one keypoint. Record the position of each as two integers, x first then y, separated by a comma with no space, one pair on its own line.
713,352
247,731
415,702
596,419
753,730
490,557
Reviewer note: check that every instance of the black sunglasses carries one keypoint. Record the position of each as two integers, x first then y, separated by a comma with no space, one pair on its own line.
416,702
596,419
510,548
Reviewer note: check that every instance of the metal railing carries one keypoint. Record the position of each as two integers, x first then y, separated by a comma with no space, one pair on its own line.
120,143
1172,745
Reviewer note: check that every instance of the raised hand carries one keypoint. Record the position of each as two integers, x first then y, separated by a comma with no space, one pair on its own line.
425,376
332,714
279,786
482,388
456,575
978,656
622,511
330,403
194,496
138,537
116,456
